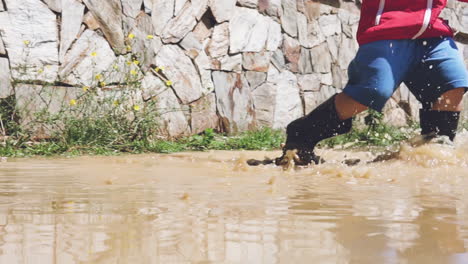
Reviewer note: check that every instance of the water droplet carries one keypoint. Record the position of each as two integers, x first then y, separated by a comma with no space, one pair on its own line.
424,43
430,67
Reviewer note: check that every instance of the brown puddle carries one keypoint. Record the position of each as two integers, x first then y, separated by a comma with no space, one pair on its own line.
211,208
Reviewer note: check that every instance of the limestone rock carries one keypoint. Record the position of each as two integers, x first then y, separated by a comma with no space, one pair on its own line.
32,99
234,102
302,30
278,60
144,45
90,21
312,99
339,77
289,17
109,16
5,81
270,7
248,31
222,9
347,51
248,3
273,74
394,115
310,33
203,114
292,52
178,6
89,56
72,16
230,63
148,4
132,8
275,37
301,6
309,82
173,121
219,43
29,32
202,31
204,66
165,11
2,47
256,61
199,8
255,78
321,58
333,42
305,62
278,103
191,44
181,71
179,26
327,79
464,21
330,25
55,5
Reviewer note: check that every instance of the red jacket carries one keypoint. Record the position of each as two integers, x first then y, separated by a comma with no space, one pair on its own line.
402,19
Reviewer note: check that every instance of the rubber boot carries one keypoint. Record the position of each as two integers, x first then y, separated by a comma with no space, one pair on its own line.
304,133
439,123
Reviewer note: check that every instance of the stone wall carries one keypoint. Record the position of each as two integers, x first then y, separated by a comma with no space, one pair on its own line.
234,64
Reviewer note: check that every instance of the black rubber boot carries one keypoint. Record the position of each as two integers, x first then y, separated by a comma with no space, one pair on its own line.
304,133
439,123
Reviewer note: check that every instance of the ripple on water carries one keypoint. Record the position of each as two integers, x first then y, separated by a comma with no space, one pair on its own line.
205,207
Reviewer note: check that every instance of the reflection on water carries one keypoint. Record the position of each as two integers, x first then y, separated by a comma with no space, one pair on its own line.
209,208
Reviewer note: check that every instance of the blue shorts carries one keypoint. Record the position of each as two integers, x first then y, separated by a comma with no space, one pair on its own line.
429,67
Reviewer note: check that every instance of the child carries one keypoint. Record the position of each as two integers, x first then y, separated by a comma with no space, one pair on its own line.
400,41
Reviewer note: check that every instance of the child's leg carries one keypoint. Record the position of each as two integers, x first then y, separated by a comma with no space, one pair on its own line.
450,101
347,107
439,82
374,74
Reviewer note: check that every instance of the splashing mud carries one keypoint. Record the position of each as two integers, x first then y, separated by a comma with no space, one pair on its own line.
212,208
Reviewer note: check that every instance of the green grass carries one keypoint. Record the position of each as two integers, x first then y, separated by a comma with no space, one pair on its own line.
262,139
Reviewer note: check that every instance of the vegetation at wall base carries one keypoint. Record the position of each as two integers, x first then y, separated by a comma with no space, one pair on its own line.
262,139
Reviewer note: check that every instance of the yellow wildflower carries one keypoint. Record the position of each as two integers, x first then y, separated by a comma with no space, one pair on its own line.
129,48
168,83
157,69
85,88
136,62
98,76
40,71
116,67
72,102
149,36
94,54
131,36
129,63
26,42
136,107
116,102
102,84
133,72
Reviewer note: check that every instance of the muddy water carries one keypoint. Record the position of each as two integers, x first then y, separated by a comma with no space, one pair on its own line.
210,208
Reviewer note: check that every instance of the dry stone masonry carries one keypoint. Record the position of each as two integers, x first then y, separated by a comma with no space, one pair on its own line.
234,64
